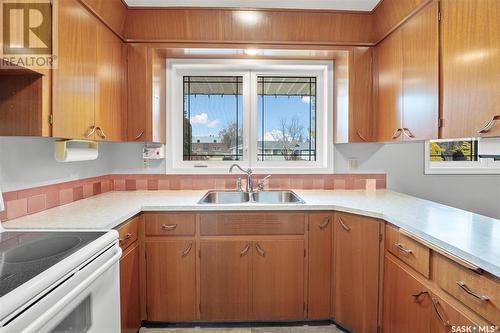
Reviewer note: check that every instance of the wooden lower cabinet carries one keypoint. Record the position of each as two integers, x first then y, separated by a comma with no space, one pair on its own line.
171,279
130,290
357,248
445,317
278,279
225,279
407,302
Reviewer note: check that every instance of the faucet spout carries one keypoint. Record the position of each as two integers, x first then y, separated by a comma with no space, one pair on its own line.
248,172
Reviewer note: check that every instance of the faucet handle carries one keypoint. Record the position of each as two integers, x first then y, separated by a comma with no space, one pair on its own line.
239,186
262,182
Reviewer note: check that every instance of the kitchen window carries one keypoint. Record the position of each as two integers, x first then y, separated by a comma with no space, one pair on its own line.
275,116
463,156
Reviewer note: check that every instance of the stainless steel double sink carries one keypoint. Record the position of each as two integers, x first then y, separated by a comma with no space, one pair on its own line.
261,197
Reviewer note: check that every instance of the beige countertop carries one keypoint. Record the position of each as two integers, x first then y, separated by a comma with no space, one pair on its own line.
472,237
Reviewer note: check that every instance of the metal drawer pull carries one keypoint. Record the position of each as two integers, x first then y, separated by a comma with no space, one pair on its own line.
187,250
403,249
397,133
436,305
464,287
169,227
260,250
417,296
101,133
245,251
139,136
343,225
325,224
90,131
361,136
489,124
408,133
126,238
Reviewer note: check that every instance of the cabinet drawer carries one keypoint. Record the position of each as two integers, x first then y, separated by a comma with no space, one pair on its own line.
128,232
408,250
252,224
479,292
175,224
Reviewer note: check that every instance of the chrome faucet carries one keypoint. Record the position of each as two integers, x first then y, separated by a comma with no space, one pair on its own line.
248,172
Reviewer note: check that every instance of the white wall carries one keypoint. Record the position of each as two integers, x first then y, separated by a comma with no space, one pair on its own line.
28,162
404,165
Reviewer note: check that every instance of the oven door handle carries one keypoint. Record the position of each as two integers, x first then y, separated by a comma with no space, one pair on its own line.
46,316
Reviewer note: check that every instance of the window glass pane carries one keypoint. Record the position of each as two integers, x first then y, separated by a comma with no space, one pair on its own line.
213,116
460,150
286,118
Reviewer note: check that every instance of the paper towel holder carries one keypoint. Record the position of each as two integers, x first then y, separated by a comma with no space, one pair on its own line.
75,150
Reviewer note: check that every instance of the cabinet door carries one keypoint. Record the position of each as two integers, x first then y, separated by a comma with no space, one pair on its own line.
111,82
421,74
129,290
470,40
407,303
225,279
138,93
278,279
171,280
389,62
356,257
361,125
445,316
320,265
74,78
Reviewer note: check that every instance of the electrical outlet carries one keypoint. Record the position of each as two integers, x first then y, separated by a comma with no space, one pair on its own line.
352,163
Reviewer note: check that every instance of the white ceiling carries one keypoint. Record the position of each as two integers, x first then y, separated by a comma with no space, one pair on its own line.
358,5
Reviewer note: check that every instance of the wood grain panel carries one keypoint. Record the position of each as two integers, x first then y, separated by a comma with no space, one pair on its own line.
112,12
445,316
74,79
170,224
129,290
171,280
111,83
357,264
404,312
209,25
470,34
389,95
128,232
278,279
225,279
421,74
212,224
389,14
320,265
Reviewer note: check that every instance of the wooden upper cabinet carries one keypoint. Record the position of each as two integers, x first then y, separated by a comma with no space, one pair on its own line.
421,74
320,265
278,279
225,279
111,82
146,78
357,249
171,280
389,62
74,79
470,38
407,302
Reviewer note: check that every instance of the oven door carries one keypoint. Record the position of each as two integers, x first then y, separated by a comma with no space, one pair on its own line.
87,301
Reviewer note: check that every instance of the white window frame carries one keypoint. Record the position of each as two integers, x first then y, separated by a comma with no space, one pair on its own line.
249,69
483,166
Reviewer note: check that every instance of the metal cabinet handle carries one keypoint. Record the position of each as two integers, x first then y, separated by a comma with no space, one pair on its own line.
325,223
100,132
139,136
343,225
169,227
408,133
126,238
464,287
489,125
361,136
90,131
417,296
244,252
436,306
260,250
187,250
401,248
397,133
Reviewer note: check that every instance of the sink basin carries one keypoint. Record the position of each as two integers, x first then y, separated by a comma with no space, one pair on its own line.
214,197
277,197
42,249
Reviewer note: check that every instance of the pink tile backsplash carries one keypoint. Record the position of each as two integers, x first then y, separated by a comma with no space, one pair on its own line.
36,199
